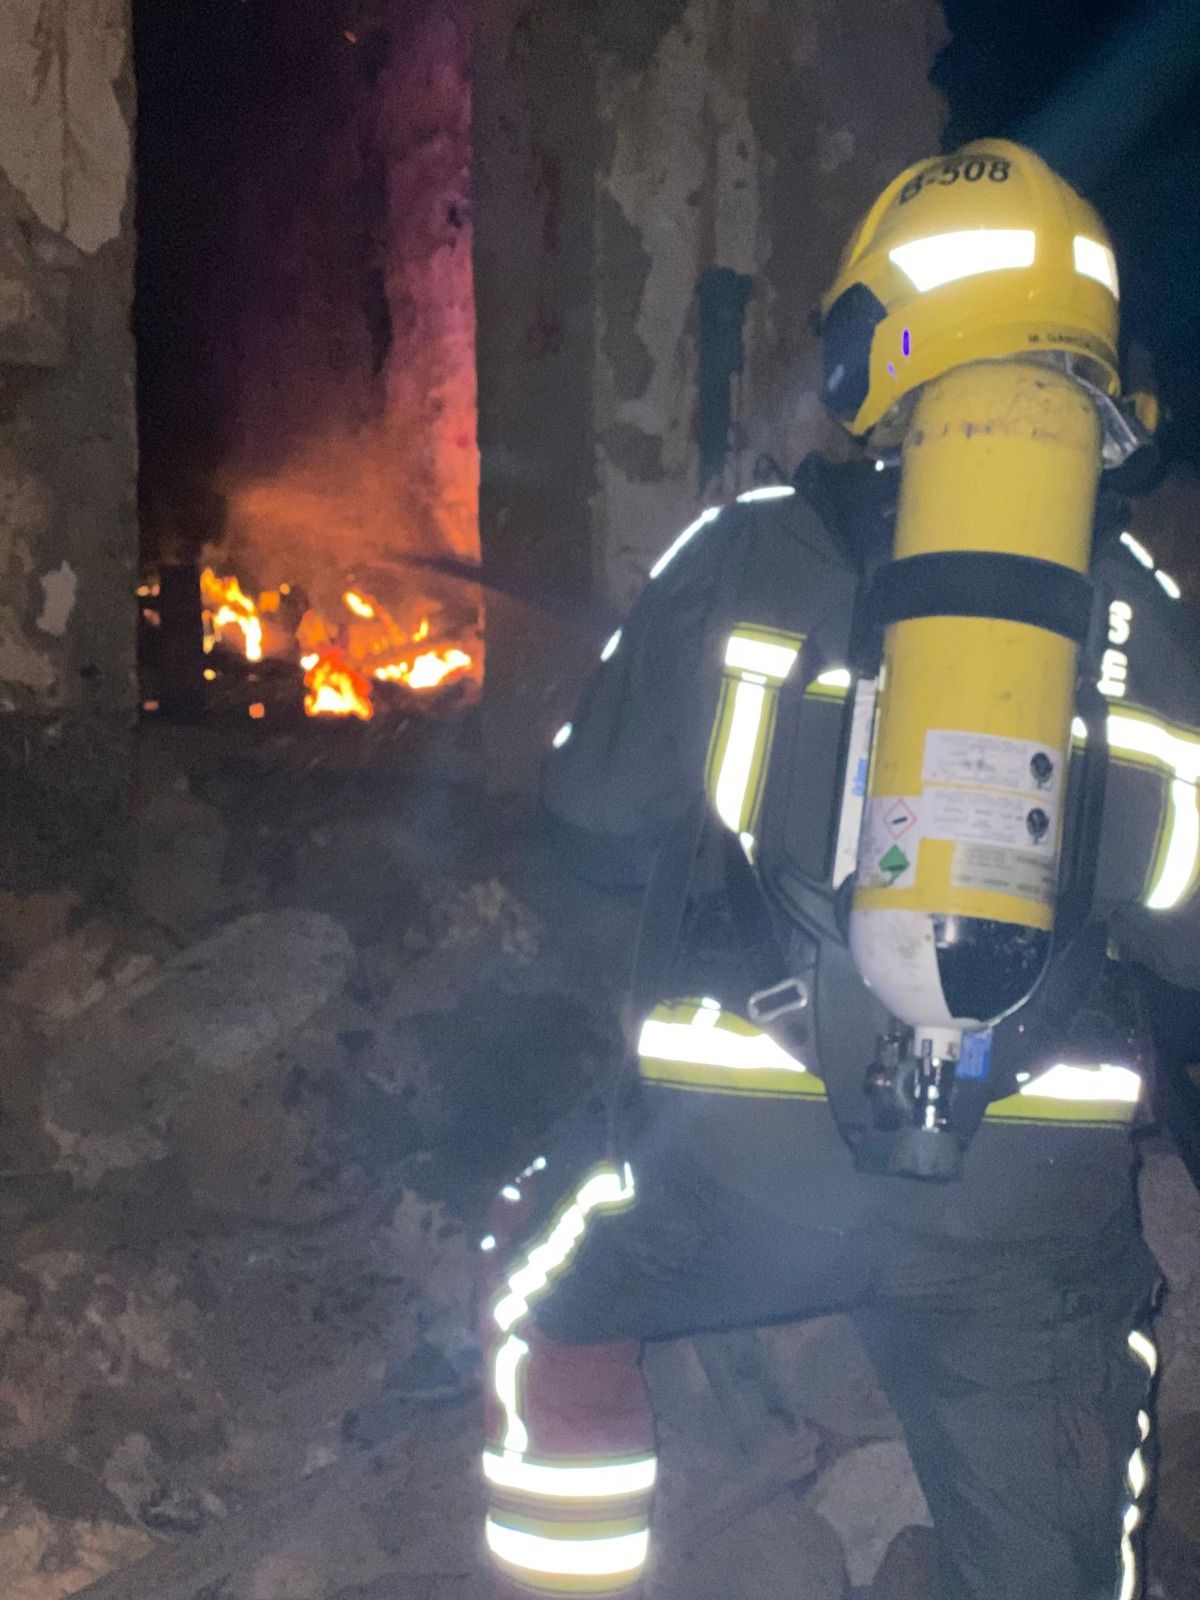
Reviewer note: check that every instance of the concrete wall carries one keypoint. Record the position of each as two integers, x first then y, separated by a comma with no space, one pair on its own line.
67,435
625,151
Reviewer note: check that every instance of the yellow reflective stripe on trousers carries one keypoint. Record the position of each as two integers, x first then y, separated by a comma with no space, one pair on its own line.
605,1547
1098,1094
693,1044
1137,1473
606,1189
757,661
566,1562
568,1481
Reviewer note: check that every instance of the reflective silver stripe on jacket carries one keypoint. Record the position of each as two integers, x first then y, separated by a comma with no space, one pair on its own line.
694,1044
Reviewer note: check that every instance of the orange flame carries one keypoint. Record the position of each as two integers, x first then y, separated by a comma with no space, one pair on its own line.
335,689
339,659
227,609
428,670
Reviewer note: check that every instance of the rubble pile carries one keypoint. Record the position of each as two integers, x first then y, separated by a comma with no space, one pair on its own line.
248,1125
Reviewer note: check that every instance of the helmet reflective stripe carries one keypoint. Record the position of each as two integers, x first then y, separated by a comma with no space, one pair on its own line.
1099,1094
757,661
695,1045
617,1556
944,257
1137,1472
1096,260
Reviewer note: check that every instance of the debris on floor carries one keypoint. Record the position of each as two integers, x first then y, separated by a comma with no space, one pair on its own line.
248,1128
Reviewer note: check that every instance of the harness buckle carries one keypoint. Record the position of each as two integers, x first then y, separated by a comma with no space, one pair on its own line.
768,1005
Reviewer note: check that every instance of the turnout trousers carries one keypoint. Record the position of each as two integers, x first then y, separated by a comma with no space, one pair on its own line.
1020,1367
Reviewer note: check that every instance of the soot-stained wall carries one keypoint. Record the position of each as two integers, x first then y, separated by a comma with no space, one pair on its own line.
344,354
67,436
652,182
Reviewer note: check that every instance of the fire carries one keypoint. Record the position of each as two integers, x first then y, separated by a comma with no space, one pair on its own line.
335,689
427,671
227,608
339,659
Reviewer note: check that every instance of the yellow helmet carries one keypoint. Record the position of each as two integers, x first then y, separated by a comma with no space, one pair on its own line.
980,255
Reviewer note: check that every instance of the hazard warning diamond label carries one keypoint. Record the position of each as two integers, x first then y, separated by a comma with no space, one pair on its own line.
891,842
899,817
894,862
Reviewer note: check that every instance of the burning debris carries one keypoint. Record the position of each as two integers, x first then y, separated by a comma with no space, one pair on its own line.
229,614
334,688
342,656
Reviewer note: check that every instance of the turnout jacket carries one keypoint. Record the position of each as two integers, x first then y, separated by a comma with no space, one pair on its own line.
721,711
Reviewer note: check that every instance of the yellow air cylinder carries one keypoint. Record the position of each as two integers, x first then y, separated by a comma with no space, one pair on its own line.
958,856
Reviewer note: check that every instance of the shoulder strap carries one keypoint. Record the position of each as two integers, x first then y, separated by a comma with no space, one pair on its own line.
667,891
664,905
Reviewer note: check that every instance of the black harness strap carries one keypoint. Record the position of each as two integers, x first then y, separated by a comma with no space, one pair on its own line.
983,583
782,993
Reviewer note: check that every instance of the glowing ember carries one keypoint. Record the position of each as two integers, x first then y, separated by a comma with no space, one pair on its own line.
227,610
428,670
257,711
422,630
335,689
359,606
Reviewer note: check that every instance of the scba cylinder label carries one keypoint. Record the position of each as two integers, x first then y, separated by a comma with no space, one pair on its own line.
892,834
1019,872
986,761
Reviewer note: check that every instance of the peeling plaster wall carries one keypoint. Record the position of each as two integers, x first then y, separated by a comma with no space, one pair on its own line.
67,434
535,151
626,149
752,140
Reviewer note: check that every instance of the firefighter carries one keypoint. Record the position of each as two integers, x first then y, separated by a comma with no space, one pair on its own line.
905,753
